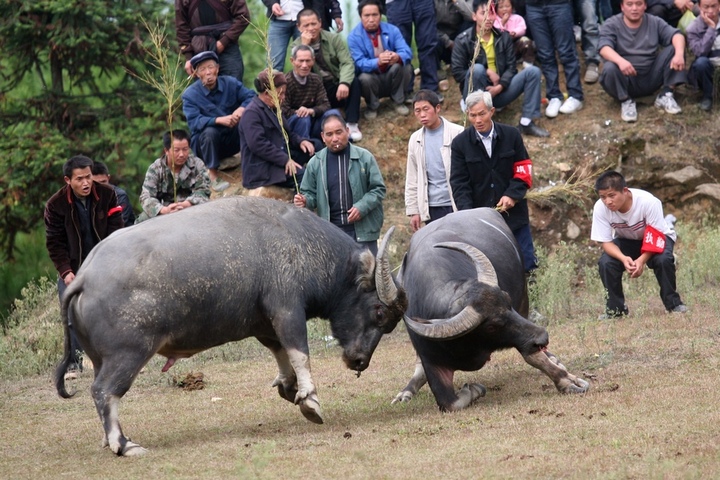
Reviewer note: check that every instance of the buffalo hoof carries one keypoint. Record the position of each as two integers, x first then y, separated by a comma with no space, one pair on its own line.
310,408
467,395
403,396
576,385
285,389
133,450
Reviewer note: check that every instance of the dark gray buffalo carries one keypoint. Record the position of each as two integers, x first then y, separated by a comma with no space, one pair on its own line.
219,272
467,298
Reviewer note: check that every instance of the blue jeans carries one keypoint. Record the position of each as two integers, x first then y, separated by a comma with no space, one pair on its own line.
310,127
527,81
585,10
701,71
552,29
279,34
527,249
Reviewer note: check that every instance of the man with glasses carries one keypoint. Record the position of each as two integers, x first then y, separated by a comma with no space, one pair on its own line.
175,181
213,106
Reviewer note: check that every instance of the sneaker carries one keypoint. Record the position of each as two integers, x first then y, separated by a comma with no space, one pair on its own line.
355,134
553,107
628,110
463,105
577,33
571,105
370,114
401,109
679,309
610,314
219,185
706,104
533,130
591,73
667,102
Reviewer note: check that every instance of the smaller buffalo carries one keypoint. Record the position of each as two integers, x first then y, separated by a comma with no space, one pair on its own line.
220,272
467,298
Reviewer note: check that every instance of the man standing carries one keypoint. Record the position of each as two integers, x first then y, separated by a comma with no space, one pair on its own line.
265,158
427,180
335,66
175,181
383,59
631,229
494,68
344,185
704,42
213,107
77,218
213,25
306,103
490,167
101,174
634,65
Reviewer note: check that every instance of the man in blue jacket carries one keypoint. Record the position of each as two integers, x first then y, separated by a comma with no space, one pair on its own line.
344,185
213,107
382,57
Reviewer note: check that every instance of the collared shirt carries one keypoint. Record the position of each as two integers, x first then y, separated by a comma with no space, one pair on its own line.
489,48
487,138
161,187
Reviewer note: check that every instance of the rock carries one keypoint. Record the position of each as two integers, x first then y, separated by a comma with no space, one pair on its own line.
710,189
573,231
684,174
230,162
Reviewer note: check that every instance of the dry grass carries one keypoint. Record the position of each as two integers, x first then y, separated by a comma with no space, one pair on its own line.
651,413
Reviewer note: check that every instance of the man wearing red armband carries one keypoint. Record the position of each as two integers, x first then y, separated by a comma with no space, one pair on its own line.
632,231
490,167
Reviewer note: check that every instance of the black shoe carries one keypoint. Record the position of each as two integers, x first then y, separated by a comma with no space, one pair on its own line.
533,130
706,104
610,314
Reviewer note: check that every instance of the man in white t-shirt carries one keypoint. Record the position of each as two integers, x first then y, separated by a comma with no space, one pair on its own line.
630,226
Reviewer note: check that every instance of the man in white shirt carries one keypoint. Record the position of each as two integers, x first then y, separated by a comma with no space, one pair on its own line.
631,229
427,181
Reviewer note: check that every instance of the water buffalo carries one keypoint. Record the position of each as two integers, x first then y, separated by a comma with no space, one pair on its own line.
220,272
467,298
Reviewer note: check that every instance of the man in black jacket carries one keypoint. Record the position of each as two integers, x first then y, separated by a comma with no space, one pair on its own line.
497,73
490,167
77,217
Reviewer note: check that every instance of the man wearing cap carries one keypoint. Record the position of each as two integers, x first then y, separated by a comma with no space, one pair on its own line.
213,107
265,157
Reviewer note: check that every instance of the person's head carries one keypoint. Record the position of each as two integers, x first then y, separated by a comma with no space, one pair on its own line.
483,14
633,10
711,8
504,7
426,106
206,66
77,173
480,110
302,59
100,173
262,86
370,13
335,133
176,145
308,21
613,191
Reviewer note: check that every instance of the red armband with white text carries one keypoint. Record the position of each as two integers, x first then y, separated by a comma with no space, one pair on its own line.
653,241
114,210
523,171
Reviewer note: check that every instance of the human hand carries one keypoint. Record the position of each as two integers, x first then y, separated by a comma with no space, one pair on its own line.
307,147
69,278
626,68
415,223
494,90
639,268
277,10
493,77
189,69
339,24
678,61
303,112
707,20
227,121
343,91
219,47
237,114
299,200
305,37
505,203
354,215
291,167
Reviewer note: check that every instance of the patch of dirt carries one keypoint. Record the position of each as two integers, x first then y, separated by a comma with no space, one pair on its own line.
672,156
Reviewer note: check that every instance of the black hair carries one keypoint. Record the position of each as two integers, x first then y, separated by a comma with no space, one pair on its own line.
610,180
429,96
169,137
477,3
306,12
301,47
331,117
78,161
365,3
99,168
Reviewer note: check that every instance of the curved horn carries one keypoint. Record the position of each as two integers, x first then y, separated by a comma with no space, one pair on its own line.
446,329
387,291
485,270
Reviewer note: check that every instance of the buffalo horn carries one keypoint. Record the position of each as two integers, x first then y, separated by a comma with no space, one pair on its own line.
485,270
387,291
446,329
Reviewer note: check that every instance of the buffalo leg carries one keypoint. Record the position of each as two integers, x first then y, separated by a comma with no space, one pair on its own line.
564,381
112,381
441,383
286,381
416,383
306,396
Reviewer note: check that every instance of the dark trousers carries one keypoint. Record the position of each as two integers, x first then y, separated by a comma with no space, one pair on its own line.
701,71
75,348
231,62
670,13
527,248
351,104
662,264
215,143
621,87
436,213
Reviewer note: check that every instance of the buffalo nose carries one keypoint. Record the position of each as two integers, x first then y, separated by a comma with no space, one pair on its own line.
360,364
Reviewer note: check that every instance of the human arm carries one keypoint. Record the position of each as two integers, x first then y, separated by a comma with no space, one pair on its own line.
609,54
309,186
462,55
182,30
678,60
397,44
240,21
460,174
412,208
56,238
361,51
634,267
701,36
344,59
372,185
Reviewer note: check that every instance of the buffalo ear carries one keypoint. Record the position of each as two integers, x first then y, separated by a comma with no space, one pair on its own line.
366,278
